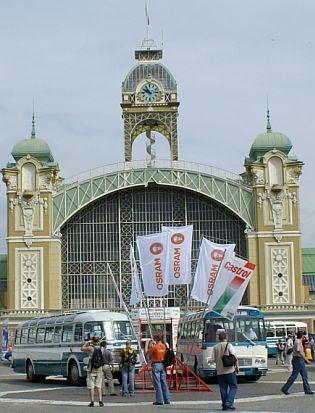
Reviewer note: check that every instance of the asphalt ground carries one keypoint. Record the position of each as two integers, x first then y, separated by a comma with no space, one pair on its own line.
55,395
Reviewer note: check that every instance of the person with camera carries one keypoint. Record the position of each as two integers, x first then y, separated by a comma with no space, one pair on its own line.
226,375
157,350
108,369
94,371
128,358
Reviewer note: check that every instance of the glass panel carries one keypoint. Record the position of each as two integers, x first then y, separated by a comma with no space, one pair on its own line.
122,330
214,326
24,335
17,337
57,335
67,333
49,334
94,328
250,329
78,332
40,335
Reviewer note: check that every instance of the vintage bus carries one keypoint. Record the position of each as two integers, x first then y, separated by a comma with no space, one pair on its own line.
198,334
277,330
50,346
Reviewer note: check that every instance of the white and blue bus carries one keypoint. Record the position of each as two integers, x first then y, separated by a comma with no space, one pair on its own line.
198,334
50,346
277,330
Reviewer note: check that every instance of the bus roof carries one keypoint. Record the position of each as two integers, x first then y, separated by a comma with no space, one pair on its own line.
277,323
82,316
241,311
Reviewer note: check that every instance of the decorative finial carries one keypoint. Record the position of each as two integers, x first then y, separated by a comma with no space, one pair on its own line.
268,119
33,136
147,21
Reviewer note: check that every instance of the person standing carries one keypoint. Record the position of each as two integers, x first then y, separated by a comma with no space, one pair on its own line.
108,370
226,375
94,375
280,352
157,351
128,359
298,362
289,351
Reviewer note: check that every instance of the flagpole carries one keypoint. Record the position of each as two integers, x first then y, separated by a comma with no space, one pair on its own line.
126,310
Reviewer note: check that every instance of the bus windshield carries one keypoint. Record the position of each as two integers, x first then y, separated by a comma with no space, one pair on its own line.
122,330
240,329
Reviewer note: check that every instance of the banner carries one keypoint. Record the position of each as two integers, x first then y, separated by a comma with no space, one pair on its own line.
136,289
153,254
209,260
232,281
179,254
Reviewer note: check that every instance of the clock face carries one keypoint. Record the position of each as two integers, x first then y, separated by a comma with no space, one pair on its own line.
149,92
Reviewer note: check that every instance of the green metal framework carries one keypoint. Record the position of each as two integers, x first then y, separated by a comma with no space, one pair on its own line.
225,187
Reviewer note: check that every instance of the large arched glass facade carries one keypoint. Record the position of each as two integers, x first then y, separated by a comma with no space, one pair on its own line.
101,233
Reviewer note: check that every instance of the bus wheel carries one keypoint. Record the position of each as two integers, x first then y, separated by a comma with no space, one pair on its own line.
74,375
30,373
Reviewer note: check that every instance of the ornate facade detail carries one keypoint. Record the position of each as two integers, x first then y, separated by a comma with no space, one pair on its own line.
260,199
259,177
276,201
10,181
44,182
280,275
28,206
161,122
293,175
29,279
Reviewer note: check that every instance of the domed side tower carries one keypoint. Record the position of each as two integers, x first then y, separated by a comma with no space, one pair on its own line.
34,273
149,101
275,241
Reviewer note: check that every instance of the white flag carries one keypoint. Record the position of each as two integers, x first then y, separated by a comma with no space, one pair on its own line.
209,260
179,254
136,290
232,280
153,256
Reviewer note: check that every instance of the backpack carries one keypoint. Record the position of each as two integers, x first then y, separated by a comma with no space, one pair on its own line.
128,357
169,357
280,346
97,359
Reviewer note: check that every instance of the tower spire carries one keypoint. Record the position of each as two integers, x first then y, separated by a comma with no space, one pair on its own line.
269,130
33,136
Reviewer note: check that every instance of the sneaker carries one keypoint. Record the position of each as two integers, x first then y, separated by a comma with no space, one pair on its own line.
132,395
101,404
157,404
113,394
167,402
91,404
285,391
229,407
309,392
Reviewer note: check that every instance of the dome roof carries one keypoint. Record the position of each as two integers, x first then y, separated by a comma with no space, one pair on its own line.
145,71
269,140
38,148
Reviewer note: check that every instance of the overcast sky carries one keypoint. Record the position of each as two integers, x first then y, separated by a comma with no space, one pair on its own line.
227,56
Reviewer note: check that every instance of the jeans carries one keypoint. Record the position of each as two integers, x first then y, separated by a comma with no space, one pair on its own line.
298,367
228,388
128,375
159,381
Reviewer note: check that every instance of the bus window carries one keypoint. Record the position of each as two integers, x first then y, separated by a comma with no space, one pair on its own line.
49,334
211,328
24,335
67,333
17,337
40,335
31,335
57,335
93,328
280,332
250,329
78,332
122,330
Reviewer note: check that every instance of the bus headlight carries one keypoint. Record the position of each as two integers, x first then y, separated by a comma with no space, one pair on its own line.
211,362
260,361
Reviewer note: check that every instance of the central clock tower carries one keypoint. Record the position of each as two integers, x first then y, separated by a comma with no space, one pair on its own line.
149,100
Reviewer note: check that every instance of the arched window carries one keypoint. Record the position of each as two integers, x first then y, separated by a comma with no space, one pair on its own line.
275,167
28,177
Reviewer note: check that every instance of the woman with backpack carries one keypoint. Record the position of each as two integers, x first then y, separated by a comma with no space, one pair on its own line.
94,371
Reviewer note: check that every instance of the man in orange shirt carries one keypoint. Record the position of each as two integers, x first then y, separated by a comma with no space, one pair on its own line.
157,352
